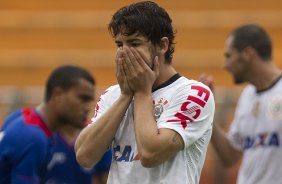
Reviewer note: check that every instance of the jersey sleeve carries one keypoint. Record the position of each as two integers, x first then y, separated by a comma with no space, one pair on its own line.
30,160
233,135
11,117
104,102
190,113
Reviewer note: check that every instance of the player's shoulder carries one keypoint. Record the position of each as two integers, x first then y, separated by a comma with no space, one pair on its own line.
111,92
17,128
195,82
113,88
188,84
20,132
248,91
182,80
12,117
13,121
195,91
19,138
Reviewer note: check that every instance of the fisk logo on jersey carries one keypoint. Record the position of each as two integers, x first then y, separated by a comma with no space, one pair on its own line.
262,140
125,155
191,109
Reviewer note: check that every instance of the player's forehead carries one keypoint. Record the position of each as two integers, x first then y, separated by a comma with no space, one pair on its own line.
228,46
123,37
83,88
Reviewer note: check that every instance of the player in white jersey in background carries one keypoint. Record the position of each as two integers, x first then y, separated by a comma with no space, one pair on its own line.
256,131
158,123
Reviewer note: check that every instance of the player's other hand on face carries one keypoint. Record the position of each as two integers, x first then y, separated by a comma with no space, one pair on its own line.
140,71
120,73
207,80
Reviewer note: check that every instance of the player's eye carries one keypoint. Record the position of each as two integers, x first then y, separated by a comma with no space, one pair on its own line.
119,44
85,98
134,44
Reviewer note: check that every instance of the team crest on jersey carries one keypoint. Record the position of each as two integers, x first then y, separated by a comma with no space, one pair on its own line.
159,108
275,107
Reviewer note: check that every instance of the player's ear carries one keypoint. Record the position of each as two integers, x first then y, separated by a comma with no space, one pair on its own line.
249,53
57,94
163,45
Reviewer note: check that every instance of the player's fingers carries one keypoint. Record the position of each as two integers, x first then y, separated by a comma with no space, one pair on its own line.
202,77
210,82
140,58
129,61
119,66
156,66
119,58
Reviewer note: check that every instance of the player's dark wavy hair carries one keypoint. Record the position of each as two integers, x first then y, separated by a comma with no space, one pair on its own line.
254,36
66,77
145,18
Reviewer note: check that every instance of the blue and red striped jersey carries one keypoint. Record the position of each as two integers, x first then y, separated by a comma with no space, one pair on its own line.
24,147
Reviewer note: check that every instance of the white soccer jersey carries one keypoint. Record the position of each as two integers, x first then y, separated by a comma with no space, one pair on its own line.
183,105
257,131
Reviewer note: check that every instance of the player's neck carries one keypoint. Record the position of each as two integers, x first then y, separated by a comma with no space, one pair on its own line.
69,133
166,72
48,116
266,77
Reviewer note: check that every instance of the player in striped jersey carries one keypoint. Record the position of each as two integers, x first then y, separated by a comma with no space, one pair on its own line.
25,138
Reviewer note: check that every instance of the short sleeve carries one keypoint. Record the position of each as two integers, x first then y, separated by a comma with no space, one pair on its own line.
106,99
190,113
234,137
233,134
30,161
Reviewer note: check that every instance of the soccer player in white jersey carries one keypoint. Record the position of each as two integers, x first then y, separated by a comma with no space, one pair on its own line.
256,131
158,123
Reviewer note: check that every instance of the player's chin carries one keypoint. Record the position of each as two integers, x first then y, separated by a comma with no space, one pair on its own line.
238,80
79,122
79,125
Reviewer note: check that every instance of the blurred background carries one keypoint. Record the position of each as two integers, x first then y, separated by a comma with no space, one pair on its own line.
38,35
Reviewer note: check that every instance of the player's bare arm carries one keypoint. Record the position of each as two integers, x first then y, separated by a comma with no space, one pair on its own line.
95,139
228,155
154,145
